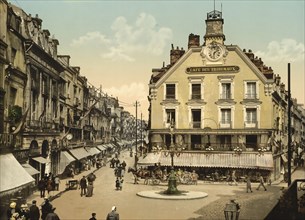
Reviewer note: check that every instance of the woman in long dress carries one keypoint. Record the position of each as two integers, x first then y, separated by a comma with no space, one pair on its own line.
90,189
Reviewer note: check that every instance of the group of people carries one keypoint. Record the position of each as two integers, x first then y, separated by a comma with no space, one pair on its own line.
48,183
32,212
86,185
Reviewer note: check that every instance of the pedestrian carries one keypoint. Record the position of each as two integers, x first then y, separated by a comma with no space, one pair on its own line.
136,179
34,212
42,187
248,184
93,216
233,177
46,208
24,212
83,186
11,210
113,215
89,189
49,186
261,182
121,183
57,182
117,183
52,215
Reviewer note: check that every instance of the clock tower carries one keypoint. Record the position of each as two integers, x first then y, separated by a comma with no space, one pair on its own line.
214,51
214,28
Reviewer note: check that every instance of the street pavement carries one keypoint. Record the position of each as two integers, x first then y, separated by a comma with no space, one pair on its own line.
71,206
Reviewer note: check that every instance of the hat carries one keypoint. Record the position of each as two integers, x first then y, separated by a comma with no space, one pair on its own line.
113,208
24,206
46,198
13,205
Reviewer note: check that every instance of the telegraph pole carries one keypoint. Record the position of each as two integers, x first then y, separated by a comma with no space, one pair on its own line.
141,137
289,128
136,153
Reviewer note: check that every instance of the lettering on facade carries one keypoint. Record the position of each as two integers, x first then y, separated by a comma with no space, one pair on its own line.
219,69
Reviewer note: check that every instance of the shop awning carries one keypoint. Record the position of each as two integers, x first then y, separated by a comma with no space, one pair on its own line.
31,170
150,159
102,147
13,177
65,160
93,151
216,159
79,153
41,160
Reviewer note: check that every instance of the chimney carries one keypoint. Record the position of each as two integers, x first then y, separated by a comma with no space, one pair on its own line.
194,41
175,54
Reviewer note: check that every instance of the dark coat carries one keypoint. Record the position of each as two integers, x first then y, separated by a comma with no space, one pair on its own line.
46,208
34,213
113,215
52,216
83,183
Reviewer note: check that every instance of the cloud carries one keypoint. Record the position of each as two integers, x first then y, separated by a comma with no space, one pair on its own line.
129,40
90,37
129,93
288,50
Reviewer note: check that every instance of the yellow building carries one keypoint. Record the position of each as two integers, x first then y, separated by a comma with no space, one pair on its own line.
215,102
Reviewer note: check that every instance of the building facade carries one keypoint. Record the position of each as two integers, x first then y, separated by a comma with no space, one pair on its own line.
214,101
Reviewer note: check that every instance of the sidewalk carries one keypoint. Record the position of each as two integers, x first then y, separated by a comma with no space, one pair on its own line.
62,187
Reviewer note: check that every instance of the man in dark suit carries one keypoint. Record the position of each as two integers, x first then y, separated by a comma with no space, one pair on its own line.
34,211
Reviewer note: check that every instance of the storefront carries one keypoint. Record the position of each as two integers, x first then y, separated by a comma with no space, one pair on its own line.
81,156
15,182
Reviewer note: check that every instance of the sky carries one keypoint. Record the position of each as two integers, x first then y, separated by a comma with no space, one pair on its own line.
118,43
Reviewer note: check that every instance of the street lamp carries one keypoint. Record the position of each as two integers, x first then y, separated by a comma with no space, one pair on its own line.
174,150
232,210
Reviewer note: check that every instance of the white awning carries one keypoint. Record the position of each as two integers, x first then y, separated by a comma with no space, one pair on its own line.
150,159
93,151
102,147
65,160
31,170
13,176
79,153
41,160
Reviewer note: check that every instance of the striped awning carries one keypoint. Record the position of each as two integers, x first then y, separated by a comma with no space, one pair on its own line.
248,160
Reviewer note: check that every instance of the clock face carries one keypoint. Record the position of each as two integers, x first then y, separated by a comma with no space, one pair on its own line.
214,51
69,137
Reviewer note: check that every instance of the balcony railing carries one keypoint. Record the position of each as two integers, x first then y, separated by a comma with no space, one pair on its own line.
196,96
195,124
225,96
251,124
225,124
251,96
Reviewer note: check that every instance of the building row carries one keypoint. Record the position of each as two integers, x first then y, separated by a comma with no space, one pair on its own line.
219,108
50,115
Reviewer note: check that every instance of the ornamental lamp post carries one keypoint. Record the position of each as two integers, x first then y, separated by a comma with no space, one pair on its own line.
173,150
232,210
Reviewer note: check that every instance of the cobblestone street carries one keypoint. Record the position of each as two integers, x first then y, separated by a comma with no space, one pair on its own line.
70,205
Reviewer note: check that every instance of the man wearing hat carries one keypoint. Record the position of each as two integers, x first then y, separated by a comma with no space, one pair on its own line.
113,215
34,211
46,208
24,212
52,215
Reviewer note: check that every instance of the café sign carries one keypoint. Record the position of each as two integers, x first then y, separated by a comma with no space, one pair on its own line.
215,69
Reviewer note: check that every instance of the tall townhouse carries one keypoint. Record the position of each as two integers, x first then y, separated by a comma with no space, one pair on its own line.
42,133
17,177
219,105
